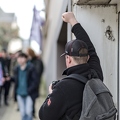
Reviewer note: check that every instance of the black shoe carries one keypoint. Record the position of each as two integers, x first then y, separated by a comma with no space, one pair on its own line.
18,109
34,116
6,103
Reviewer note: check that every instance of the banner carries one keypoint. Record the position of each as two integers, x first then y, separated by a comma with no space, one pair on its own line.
37,23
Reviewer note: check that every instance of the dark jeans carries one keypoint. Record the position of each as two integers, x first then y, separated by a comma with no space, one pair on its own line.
0,94
6,89
34,107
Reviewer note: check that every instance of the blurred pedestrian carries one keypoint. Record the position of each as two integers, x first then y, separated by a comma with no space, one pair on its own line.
14,64
2,80
36,61
5,62
38,64
26,83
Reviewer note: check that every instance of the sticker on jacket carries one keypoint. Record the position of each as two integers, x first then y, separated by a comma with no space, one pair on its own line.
49,102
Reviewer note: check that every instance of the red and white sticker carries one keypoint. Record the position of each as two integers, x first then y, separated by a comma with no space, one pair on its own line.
49,102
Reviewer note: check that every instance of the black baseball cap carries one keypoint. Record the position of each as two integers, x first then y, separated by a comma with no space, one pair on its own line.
72,48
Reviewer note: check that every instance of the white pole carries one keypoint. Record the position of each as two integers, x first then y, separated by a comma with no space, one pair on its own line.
118,117
69,34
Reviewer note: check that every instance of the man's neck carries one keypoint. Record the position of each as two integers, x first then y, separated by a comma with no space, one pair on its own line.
23,66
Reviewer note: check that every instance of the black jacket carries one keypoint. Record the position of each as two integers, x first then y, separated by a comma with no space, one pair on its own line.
5,66
66,99
38,64
32,80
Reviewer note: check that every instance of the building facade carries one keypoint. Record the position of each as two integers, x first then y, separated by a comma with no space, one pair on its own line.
7,17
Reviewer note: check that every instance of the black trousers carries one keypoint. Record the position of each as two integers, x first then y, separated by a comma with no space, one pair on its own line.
34,107
0,94
6,89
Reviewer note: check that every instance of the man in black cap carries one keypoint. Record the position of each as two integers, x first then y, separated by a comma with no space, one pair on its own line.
64,101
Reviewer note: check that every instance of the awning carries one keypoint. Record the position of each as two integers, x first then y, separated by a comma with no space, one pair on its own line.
81,2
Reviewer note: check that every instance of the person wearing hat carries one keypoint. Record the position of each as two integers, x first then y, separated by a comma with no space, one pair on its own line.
64,101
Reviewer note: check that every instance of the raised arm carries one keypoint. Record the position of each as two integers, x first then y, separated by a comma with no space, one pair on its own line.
81,34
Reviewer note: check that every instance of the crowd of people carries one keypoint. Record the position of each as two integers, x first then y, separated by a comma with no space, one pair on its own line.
24,70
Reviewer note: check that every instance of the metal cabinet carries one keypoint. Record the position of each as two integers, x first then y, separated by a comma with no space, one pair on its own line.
101,24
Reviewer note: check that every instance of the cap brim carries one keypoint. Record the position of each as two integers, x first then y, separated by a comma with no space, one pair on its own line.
63,54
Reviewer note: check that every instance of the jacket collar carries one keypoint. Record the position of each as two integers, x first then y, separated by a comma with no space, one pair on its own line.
82,69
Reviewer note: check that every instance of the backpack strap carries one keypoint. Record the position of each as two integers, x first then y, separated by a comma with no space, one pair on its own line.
93,74
78,77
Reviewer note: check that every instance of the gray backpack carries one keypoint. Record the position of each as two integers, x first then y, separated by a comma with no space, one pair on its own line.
97,100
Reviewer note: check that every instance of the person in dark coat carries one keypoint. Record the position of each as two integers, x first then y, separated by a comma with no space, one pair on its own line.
64,101
5,62
36,61
38,64
26,84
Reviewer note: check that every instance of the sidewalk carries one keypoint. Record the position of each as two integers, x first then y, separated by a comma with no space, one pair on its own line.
11,112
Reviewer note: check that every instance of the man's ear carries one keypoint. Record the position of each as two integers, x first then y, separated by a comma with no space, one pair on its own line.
68,59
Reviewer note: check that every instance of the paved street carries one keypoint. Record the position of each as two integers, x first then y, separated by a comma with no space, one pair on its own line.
11,113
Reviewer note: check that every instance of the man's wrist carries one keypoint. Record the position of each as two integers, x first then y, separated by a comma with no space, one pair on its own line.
73,22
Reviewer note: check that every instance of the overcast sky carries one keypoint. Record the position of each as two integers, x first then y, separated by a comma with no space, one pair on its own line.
24,12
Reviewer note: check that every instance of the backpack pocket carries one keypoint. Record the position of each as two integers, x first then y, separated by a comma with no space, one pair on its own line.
67,118
110,115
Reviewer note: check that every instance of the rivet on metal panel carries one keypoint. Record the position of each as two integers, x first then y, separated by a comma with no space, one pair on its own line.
109,34
74,4
103,20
